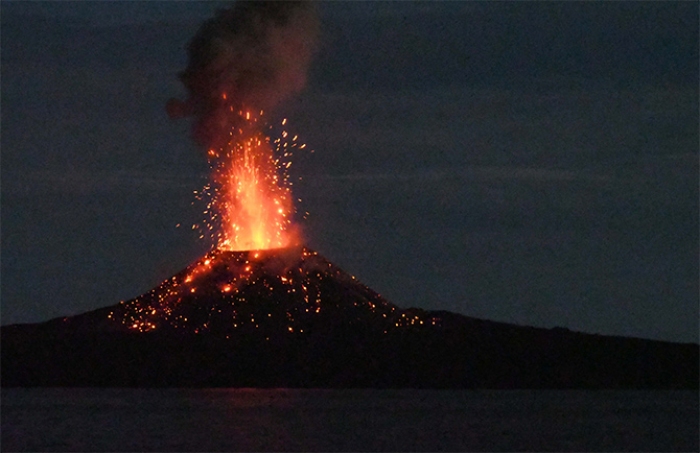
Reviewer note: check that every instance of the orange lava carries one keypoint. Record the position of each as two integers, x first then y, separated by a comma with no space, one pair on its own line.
251,202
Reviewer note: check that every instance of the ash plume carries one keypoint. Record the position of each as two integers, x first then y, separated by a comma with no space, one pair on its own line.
250,57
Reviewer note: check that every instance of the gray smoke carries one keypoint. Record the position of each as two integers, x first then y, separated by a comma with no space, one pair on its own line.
251,56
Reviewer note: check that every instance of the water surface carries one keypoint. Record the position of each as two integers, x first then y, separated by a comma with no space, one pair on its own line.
347,420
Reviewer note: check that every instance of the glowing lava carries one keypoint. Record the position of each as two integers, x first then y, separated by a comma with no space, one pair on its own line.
250,205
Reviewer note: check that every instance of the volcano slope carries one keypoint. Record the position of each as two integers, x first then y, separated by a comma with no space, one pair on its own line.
290,318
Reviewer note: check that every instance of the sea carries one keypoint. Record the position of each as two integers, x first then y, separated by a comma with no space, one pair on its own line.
179,420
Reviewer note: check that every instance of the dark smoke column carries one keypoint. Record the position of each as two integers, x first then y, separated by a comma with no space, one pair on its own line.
248,57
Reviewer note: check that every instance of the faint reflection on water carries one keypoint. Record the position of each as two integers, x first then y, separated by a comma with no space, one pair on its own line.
346,420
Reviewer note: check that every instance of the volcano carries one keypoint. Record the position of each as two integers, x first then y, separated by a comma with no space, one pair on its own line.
291,318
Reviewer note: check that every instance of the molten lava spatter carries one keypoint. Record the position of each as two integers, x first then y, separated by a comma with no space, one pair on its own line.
249,200
269,292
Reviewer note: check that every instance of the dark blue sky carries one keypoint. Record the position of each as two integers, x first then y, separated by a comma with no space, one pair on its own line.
534,163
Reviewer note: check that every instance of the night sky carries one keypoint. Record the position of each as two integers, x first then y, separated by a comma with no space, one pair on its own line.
533,163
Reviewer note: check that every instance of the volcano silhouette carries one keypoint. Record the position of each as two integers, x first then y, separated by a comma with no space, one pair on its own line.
290,318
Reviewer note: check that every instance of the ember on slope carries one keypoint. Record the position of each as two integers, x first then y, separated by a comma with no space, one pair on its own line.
271,292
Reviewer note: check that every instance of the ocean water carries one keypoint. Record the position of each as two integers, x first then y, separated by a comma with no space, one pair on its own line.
347,420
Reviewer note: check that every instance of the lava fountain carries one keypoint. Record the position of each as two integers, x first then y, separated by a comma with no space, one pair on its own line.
250,201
